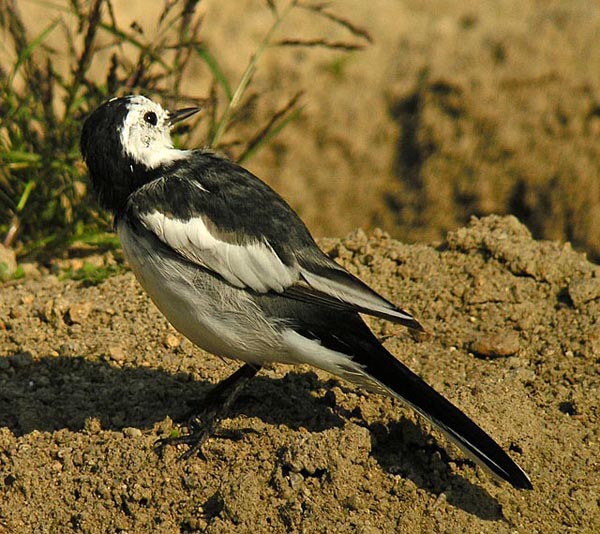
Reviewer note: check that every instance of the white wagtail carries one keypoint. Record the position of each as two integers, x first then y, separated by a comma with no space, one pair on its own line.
236,271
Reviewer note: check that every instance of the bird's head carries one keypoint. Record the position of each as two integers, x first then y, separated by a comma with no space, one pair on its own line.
125,142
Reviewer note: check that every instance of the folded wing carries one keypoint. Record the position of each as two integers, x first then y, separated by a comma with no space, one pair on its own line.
255,242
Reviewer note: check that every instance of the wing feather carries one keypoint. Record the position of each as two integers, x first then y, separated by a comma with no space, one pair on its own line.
340,287
254,265
239,228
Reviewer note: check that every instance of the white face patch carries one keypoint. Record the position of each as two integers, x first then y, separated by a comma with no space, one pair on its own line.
145,134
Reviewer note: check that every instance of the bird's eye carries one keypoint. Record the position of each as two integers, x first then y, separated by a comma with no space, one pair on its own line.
151,118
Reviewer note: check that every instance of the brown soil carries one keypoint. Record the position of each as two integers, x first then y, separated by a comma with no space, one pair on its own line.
91,376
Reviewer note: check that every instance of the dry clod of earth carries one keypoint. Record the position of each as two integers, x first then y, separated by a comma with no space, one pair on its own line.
91,376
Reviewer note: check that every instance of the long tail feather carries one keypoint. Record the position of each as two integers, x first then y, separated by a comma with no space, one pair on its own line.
387,374
369,364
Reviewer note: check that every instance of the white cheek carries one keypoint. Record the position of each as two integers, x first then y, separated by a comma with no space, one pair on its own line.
148,147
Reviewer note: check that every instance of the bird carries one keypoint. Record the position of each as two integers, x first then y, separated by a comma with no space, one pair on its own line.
235,270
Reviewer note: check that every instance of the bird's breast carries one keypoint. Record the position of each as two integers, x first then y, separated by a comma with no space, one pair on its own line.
215,316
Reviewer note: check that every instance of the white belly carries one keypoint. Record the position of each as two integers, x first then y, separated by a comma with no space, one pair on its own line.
218,318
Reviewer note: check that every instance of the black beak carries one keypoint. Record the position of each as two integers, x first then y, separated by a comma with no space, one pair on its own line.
181,114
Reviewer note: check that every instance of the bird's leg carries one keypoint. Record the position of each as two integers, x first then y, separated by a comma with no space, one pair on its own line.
213,407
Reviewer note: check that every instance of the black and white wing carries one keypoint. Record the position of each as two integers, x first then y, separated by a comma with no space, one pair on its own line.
221,217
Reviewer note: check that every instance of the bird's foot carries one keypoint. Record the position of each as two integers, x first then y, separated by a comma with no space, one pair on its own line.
200,428
206,418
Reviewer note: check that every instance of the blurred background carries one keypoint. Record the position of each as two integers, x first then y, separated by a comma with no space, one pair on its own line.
409,115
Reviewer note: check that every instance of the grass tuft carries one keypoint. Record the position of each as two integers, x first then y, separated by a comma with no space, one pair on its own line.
44,207
90,274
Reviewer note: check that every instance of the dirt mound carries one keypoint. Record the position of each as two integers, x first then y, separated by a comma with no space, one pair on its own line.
91,376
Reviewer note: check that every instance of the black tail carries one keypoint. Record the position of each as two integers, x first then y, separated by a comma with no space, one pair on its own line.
380,371
399,381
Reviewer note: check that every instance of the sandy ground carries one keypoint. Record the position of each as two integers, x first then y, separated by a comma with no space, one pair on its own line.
459,108
90,377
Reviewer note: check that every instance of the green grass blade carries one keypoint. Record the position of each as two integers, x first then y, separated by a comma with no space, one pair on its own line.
215,69
247,76
97,238
30,49
19,156
271,134
123,36
25,196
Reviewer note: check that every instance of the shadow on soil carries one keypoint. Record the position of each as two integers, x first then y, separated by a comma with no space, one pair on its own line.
54,393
